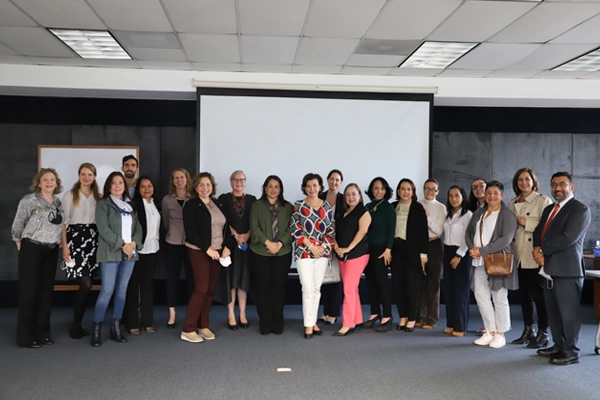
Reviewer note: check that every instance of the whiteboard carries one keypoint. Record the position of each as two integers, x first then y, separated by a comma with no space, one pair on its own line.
67,159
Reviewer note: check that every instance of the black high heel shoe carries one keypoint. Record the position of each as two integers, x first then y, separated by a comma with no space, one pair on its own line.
172,326
386,326
369,324
338,333
409,328
232,327
244,325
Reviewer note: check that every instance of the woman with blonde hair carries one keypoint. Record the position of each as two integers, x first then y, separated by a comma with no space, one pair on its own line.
80,240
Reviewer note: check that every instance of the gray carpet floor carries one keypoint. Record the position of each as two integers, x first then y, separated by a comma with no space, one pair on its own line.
243,364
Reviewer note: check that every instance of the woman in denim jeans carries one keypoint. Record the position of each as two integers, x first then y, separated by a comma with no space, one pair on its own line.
120,237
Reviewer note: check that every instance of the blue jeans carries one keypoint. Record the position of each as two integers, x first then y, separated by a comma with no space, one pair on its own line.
115,277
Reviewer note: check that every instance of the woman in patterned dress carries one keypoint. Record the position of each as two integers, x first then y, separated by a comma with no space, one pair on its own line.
80,240
312,231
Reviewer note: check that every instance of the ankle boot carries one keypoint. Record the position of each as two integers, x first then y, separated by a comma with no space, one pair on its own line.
541,340
527,336
96,339
115,332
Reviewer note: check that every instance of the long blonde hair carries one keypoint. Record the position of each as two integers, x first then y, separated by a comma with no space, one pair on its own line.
77,185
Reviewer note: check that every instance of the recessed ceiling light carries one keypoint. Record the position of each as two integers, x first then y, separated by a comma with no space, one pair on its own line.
437,54
587,62
92,44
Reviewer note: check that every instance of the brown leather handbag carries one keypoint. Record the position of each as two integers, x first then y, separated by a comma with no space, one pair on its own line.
500,264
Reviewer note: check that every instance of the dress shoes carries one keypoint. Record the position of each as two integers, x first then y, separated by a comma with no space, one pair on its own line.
426,326
244,325
384,327
409,329
46,341
541,340
549,352
33,345
150,329
369,324
457,333
171,326
134,331
449,331
330,320
232,327
564,359
308,335
317,332
338,333
527,336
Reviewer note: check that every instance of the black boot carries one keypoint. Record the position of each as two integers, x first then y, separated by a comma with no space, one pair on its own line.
115,332
541,340
96,339
527,336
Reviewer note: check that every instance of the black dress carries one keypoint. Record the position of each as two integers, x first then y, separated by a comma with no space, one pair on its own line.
237,275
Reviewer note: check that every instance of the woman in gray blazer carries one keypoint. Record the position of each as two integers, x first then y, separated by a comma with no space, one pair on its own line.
490,231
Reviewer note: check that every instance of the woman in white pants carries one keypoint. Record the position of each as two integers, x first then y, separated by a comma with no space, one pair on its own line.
491,230
312,231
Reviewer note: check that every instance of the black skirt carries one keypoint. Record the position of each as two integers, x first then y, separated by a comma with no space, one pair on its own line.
82,240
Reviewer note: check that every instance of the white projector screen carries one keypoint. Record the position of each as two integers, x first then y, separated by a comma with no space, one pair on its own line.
292,136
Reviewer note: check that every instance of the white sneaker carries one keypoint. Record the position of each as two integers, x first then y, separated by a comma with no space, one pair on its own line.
206,334
498,341
191,337
484,340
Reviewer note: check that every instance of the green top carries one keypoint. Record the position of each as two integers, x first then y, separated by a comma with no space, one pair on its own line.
383,223
110,241
260,228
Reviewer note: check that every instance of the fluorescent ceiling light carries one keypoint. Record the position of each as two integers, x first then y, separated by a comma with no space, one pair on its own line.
92,44
587,62
437,54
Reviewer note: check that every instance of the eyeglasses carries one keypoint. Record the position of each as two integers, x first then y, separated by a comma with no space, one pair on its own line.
241,180
430,189
479,186
55,218
561,185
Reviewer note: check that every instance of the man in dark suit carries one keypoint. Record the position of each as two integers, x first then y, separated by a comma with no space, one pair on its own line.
558,247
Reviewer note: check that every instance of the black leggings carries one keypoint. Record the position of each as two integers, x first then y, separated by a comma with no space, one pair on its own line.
80,303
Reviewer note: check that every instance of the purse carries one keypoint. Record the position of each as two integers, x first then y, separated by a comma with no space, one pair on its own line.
332,273
500,264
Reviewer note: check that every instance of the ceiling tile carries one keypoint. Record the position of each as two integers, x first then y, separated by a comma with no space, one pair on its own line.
347,70
219,67
33,42
75,61
132,15
476,21
202,16
14,60
464,73
416,71
156,54
587,32
342,18
545,22
409,19
268,49
495,55
267,68
147,40
512,74
325,51
551,55
5,51
112,63
317,69
561,74
388,47
12,16
272,17
367,60
166,65
66,14
211,48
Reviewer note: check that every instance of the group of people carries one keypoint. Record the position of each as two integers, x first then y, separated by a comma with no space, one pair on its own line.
236,244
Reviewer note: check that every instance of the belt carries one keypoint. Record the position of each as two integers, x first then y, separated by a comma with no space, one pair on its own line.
48,245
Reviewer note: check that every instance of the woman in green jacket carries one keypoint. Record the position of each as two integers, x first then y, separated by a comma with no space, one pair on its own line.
120,237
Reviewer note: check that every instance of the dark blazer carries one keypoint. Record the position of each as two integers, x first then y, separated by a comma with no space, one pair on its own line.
417,237
339,204
138,200
563,242
197,224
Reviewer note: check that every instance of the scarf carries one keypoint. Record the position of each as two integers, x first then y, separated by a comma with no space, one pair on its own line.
124,207
274,209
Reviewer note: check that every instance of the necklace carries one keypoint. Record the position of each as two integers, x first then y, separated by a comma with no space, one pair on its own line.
376,205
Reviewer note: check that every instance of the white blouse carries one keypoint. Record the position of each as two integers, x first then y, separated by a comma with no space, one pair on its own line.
454,231
480,240
83,213
151,244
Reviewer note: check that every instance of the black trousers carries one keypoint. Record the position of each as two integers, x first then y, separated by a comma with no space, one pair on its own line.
429,300
269,280
531,286
380,292
562,303
457,295
331,298
406,280
37,266
141,291
175,254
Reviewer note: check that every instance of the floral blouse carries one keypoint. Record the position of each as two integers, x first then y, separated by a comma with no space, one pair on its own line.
316,225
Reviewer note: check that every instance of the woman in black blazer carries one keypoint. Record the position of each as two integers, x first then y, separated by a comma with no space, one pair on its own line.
141,283
331,293
205,249
409,253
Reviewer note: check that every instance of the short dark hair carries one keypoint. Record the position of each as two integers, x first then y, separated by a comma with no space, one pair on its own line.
473,202
335,171
497,184
432,181
309,177
264,196
515,181
562,173
465,203
131,157
412,185
386,187
108,183
208,175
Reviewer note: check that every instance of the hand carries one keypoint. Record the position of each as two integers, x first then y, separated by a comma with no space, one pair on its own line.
213,254
317,251
474,252
423,263
454,262
387,257
128,248
242,238
521,221
226,252
538,257
66,254
18,245
340,251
